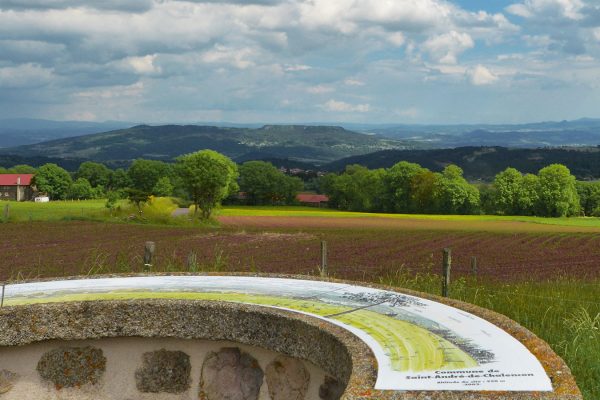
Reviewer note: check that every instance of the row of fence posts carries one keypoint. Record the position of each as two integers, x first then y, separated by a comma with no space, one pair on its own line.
150,249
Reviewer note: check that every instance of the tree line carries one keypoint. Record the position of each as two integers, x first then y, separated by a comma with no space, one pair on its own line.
409,188
204,179
207,178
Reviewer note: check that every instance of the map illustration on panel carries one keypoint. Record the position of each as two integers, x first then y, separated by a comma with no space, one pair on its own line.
419,344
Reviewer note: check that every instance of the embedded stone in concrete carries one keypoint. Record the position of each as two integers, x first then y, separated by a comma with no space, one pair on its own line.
230,374
331,389
287,379
164,371
7,381
68,367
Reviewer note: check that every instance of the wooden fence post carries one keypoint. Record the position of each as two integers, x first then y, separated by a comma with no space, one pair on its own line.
6,212
324,272
447,263
149,250
474,266
2,298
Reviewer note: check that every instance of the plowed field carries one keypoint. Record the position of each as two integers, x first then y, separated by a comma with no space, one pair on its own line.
360,248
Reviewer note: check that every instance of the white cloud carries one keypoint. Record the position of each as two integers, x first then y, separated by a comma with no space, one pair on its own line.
320,89
238,58
341,106
569,9
297,68
25,76
446,48
354,82
480,75
144,65
114,92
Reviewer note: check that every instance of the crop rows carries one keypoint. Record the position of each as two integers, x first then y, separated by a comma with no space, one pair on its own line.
42,249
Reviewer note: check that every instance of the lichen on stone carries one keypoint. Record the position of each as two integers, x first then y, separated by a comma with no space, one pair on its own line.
7,381
287,379
230,374
331,389
164,371
68,367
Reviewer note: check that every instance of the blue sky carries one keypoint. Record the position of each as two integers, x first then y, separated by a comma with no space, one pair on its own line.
294,61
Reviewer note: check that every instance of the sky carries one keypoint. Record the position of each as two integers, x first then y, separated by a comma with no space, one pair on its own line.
295,61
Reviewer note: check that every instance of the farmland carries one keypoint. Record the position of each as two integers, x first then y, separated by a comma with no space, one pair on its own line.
543,273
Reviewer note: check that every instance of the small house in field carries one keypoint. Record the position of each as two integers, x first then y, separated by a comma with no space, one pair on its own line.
313,200
16,187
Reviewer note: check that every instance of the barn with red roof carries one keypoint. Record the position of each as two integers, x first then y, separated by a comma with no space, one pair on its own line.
311,199
16,187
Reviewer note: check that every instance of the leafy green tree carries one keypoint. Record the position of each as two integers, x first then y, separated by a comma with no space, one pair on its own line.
144,174
97,174
53,180
357,189
263,183
111,201
453,194
80,190
398,185
529,195
209,177
22,169
137,197
163,187
589,197
422,193
508,186
557,192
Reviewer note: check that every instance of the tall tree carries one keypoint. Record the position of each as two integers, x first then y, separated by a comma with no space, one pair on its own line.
80,190
96,174
453,194
589,197
398,185
357,189
423,186
53,180
263,183
508,186
557,192
22,169
209,177
144,174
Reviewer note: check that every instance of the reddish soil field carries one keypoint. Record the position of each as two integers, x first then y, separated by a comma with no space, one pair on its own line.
357,250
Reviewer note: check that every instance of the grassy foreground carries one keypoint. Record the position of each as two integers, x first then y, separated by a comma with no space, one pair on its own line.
160,209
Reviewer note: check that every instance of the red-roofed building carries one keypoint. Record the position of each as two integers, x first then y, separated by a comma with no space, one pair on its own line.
16,187
311,199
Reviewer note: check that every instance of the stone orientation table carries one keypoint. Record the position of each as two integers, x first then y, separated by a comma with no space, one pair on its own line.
266,337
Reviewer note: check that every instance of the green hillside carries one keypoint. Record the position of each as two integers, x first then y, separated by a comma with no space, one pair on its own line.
316,144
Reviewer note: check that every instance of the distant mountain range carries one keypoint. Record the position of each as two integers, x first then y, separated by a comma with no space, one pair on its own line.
314,144
582,132
23,131
481,150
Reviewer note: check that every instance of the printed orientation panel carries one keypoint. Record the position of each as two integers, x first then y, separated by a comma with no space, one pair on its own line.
419,344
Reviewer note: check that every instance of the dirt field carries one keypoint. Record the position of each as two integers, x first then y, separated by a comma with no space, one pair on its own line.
362,248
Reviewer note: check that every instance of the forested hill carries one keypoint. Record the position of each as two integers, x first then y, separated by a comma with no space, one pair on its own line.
315,144
485,162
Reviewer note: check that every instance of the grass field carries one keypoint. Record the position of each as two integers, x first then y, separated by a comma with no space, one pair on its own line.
545,274
96,210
